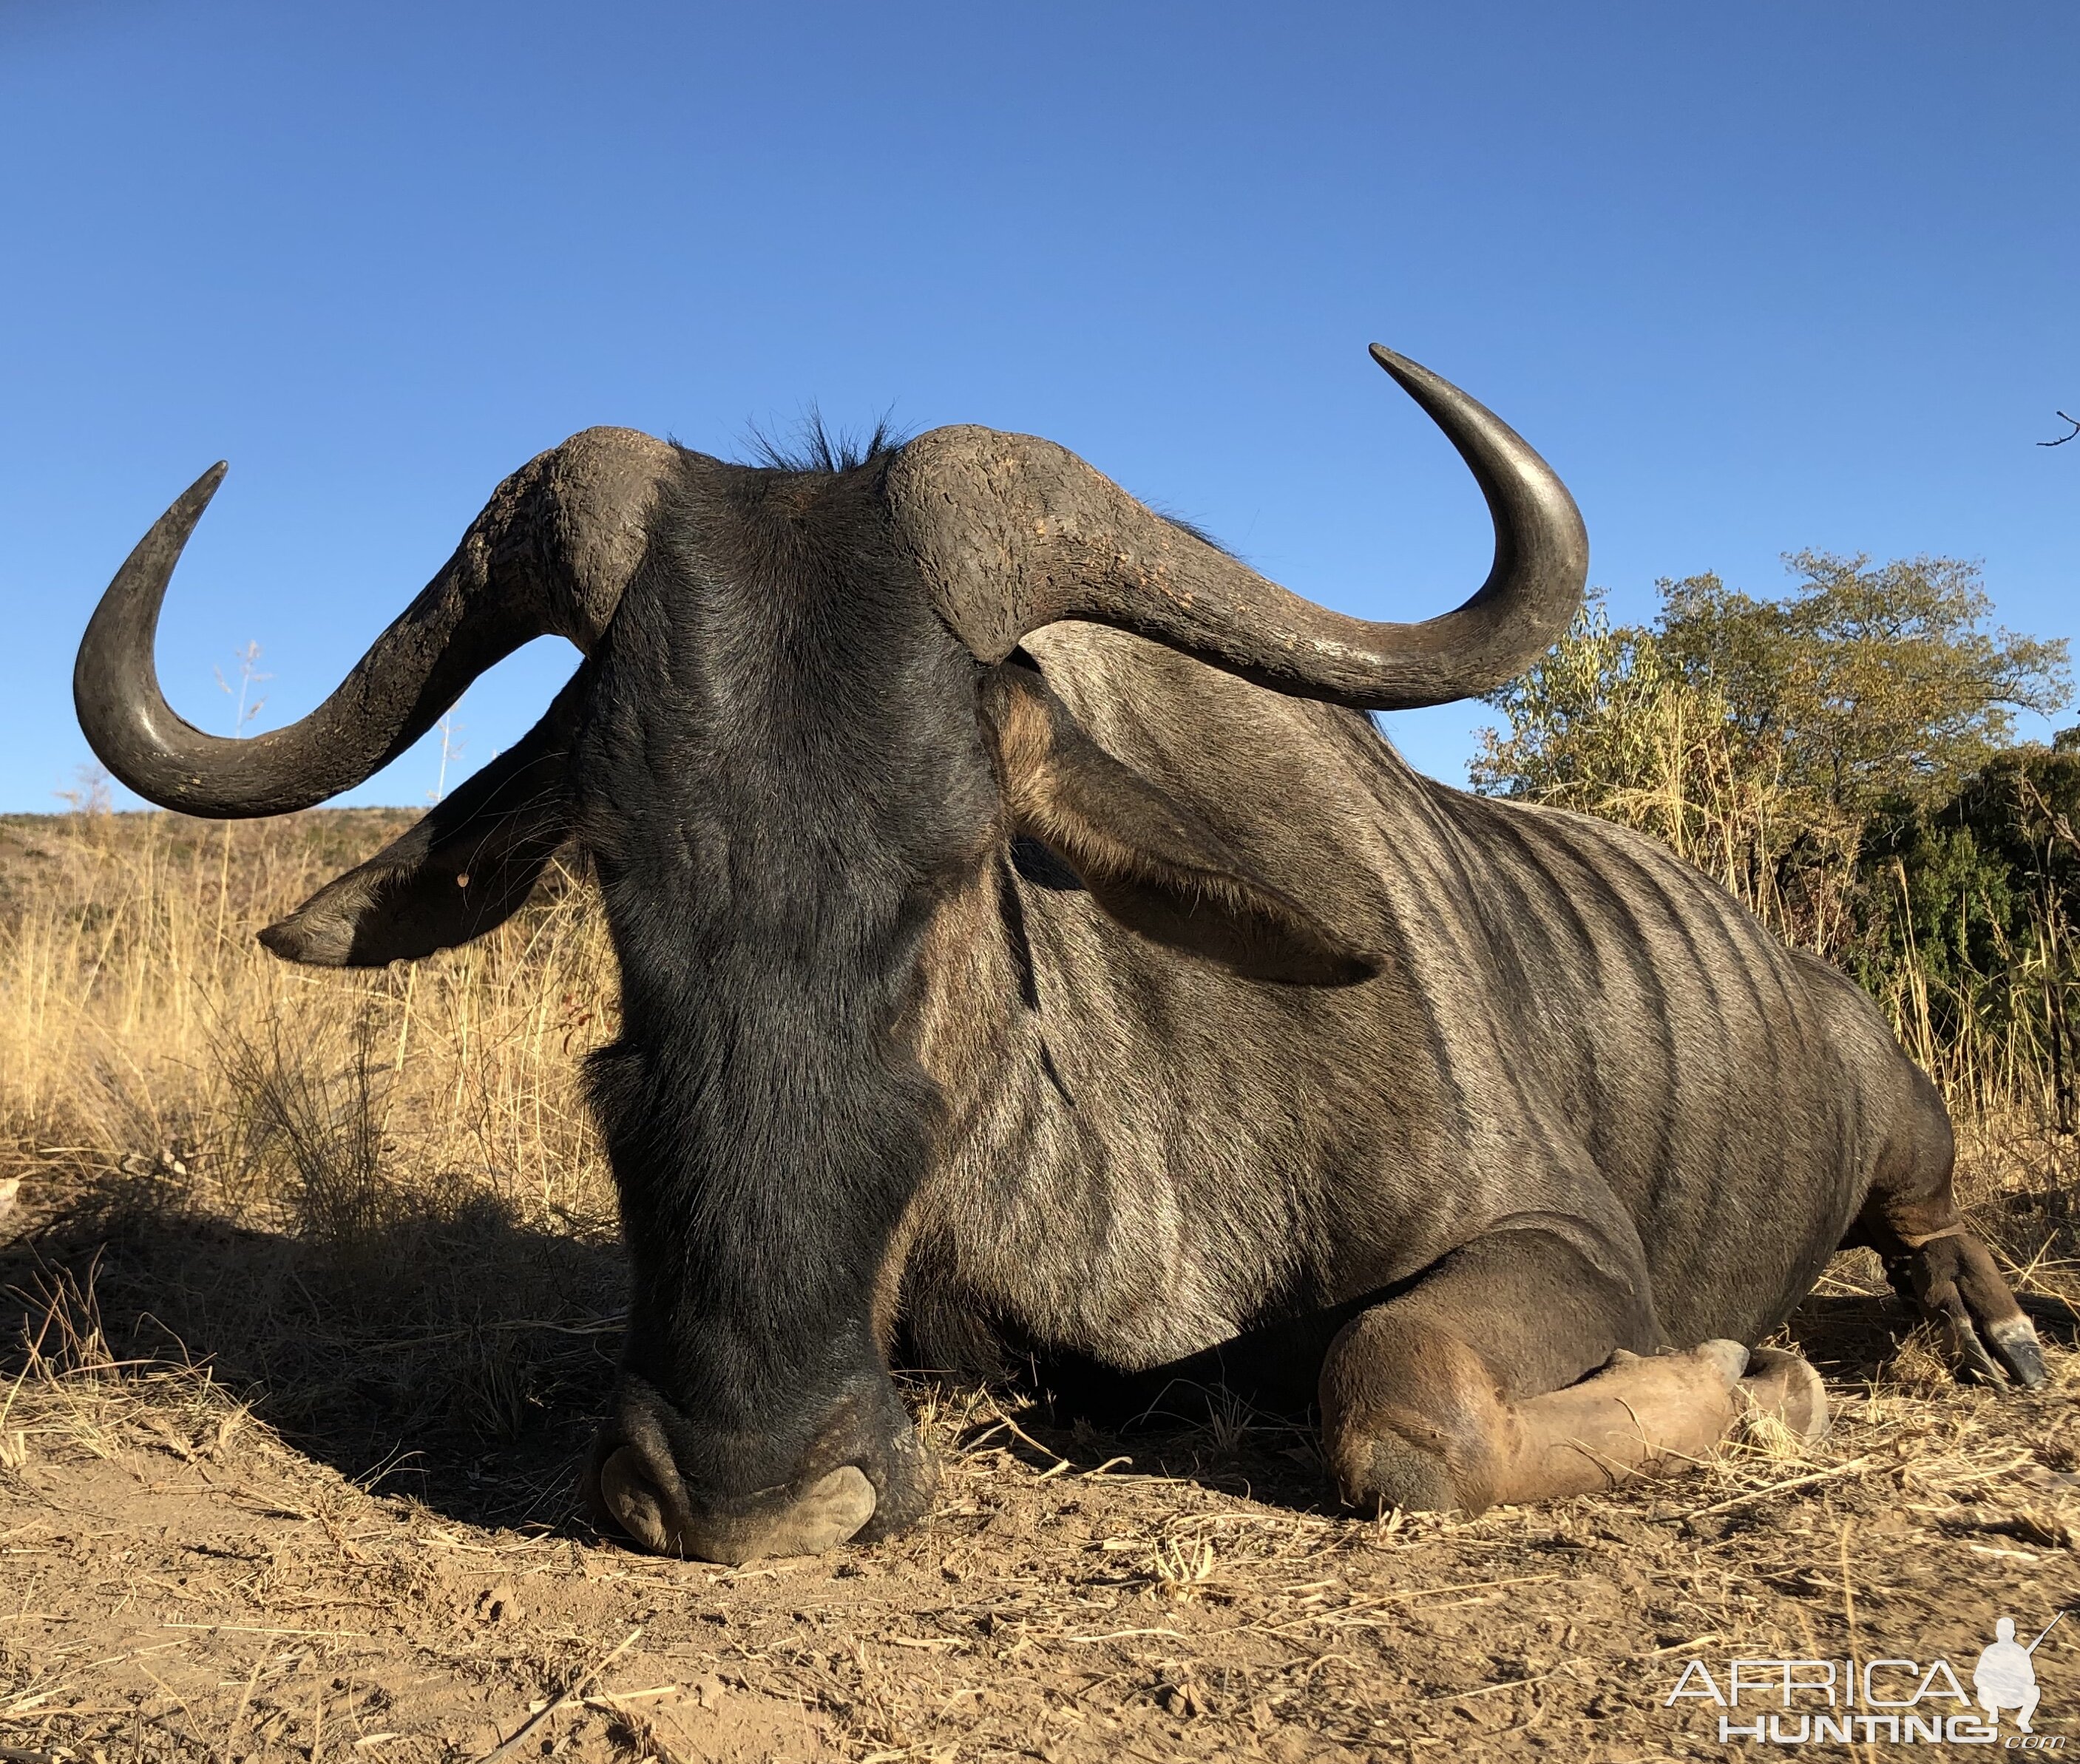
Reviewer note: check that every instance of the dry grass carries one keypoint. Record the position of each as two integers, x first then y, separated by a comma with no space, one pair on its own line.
316,1296
137,1012
376,1196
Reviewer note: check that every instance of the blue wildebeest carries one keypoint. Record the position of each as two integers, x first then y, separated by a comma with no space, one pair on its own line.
1027,946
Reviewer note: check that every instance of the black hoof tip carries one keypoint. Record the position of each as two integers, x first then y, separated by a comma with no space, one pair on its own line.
2015,1343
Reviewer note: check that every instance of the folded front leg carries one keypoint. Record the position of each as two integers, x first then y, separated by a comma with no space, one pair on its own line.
1468,1390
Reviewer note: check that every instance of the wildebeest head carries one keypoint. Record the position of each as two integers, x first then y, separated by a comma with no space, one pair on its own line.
804,724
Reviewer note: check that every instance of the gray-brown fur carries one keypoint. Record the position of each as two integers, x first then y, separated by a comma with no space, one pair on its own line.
1568,1020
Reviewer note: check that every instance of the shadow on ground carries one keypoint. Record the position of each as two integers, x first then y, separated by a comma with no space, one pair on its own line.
461,1355
451,1352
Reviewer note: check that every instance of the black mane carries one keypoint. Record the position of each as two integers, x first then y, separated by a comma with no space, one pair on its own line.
815,447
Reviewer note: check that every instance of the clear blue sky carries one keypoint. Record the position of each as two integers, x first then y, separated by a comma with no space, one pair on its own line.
1753,277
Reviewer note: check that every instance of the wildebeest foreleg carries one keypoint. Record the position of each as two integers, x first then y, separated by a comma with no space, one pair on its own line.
1467,1390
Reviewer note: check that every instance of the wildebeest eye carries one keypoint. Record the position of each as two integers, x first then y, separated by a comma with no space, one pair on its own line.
1036,863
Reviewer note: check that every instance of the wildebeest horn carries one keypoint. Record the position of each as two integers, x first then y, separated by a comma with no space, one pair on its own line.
550,554
1015,533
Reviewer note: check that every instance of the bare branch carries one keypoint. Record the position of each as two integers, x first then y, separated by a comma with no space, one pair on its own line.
2063,439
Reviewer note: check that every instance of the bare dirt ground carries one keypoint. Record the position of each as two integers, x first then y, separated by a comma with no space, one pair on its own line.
278,1553
292,1407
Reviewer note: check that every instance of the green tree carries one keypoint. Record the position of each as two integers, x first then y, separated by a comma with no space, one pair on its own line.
1864,685
1975,900
1609,721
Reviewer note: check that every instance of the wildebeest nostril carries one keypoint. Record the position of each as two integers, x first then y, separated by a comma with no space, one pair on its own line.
827,1512
778,1521
633,1501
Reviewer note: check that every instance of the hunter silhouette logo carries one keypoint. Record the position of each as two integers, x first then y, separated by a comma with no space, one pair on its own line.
2005,1676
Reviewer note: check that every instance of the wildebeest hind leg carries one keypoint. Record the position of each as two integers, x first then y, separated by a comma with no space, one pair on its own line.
1468,1389
1933,1260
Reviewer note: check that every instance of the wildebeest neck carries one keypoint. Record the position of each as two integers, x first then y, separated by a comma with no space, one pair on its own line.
781,773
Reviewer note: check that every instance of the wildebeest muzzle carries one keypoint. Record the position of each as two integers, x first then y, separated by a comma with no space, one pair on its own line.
865,1475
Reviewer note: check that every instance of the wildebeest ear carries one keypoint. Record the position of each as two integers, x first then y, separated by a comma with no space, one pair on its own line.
464,868
1146,858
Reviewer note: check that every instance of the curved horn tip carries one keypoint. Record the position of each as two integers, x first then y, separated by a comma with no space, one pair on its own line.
207,485
1409,374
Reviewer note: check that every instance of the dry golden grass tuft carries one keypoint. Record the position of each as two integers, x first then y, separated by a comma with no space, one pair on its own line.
140,1019
314,1295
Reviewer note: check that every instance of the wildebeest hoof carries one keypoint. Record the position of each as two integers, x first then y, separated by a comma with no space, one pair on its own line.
2015,1344
629,1500
2001,1354
1955,1284
1394,1473
1785,1387
782,1521
1728,1359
